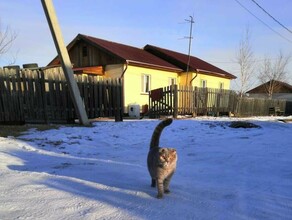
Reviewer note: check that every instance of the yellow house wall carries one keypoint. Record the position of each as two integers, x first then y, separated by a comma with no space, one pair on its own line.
114,71
133,82
159,78
212,81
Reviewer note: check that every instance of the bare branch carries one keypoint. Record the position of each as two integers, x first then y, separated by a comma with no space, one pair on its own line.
13,59
7,37
272,73
245,59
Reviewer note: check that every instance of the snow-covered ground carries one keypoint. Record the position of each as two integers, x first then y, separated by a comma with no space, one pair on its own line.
100,172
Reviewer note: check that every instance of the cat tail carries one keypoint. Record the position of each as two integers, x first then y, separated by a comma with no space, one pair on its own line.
157,132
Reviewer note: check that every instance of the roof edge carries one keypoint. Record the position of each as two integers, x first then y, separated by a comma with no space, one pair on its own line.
153,65
216,73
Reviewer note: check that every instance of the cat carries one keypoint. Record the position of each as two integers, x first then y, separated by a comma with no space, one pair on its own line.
161,161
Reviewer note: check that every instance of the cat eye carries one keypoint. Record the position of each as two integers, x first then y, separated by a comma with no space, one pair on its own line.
162,157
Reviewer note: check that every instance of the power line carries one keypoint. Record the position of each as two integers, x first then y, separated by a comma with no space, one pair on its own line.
235,62
272,16
263,22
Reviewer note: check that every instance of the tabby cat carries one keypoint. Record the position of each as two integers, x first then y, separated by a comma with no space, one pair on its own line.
161,161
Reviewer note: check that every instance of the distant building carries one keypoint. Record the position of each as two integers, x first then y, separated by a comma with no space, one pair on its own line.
282,90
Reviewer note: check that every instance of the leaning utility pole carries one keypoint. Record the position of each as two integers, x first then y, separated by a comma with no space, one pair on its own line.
191,21
65,60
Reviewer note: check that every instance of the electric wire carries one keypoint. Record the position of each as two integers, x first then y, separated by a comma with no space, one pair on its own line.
272,16
276,32
235,62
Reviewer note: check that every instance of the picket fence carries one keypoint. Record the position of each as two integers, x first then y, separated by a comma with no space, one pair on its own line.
28,96
188,100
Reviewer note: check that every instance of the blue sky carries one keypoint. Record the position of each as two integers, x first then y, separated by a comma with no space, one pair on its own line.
219,26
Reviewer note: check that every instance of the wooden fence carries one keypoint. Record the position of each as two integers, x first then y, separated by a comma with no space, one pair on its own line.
258,106
36,97
187,100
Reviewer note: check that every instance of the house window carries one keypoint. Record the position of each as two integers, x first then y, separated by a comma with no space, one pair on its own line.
84,51
171,81
221,85
204,83
145,83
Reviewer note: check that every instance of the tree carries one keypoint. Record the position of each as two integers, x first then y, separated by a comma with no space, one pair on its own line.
272,73
7,37
245,59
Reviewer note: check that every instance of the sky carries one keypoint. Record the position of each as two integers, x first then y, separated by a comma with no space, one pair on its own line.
219,26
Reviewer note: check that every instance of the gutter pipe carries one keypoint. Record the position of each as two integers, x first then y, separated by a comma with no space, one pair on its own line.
123,73
194,77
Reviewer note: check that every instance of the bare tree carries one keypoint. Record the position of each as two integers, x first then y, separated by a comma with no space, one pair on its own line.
245,59
7,37
271,74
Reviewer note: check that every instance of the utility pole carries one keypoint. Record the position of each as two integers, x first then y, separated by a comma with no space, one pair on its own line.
65,60
191,21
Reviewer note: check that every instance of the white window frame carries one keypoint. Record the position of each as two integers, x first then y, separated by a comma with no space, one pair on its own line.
145,83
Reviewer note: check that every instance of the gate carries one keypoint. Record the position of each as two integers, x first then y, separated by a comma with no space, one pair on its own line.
163,101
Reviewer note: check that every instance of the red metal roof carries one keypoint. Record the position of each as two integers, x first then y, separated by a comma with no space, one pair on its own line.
131,54
181,60
151,56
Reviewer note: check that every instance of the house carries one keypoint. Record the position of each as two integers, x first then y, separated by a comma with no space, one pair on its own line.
141,69
281,90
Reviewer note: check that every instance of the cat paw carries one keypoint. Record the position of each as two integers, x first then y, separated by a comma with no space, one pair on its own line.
159,196
167,191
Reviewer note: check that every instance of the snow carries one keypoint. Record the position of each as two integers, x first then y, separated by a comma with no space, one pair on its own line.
100,172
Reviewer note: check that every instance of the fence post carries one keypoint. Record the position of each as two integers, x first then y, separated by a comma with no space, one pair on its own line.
117,94
196,102
175,101
238,107
43,95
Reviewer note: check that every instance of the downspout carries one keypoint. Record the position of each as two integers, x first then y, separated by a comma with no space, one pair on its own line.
123,73
194,77
195,109
123,87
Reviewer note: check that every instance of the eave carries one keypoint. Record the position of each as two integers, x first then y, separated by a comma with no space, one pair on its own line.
211,73
153,66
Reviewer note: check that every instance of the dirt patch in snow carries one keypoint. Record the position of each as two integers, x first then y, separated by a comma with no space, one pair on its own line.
243,124
17,130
